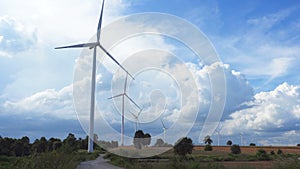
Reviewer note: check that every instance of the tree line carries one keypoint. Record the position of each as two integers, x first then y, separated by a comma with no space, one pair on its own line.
23,147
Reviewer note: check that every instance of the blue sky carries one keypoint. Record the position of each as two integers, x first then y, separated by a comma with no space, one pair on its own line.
257,42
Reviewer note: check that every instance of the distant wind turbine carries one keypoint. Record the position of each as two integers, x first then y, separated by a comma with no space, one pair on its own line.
136,117
124,94
241,135
164,128
93,45
218,130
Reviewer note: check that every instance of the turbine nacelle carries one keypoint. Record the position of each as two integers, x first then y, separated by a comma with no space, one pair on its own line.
93,45
136,117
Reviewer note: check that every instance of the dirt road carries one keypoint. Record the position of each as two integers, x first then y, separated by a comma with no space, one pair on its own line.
99,163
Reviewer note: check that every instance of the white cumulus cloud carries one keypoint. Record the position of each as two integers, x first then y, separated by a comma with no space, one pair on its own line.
276,110
46,103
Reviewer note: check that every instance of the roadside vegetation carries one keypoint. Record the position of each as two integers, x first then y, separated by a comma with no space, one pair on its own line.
43,153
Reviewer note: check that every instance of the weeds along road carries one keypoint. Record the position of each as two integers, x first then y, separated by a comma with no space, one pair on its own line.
99,163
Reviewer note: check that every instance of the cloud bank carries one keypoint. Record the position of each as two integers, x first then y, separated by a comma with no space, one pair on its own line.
278,109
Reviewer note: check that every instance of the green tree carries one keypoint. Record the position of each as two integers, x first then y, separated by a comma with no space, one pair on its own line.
208,140
184,146
83,143
235,149
21,147
208,147
6,146
69,144
272,152
261,154
138,139
229,143
39,146
147,139
56,145
114,144
18,148
43,144
26,146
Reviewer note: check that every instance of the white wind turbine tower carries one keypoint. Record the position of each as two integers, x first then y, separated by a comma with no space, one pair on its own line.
241,136
218,130
164,128
136,117
94,45
124,94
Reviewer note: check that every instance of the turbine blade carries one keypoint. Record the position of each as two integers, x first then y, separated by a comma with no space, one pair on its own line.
83,45
220,126
163,124
165,108
116,96
125,85
140,112
132,101
133,114
100,22
108,54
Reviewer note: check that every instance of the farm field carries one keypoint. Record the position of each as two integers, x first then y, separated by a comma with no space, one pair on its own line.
219,157
254,149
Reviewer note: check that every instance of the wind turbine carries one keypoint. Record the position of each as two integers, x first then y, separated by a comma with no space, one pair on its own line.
241,135
124,94
94,45
164,128
218,130
136,118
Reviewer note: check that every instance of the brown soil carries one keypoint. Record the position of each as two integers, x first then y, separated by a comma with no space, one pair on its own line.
254,149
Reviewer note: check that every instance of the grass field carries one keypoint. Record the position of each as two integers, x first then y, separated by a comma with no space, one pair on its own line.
49,160
220,157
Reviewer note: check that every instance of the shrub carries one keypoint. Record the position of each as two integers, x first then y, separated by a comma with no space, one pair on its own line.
58,160
261,154
235,149
208,140
229,143
272,152
298,145
279,152
138,139
290,163
184,146
252,144
208,147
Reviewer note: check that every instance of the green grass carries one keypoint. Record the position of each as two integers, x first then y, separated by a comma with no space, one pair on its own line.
287,162
174,162
57,160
